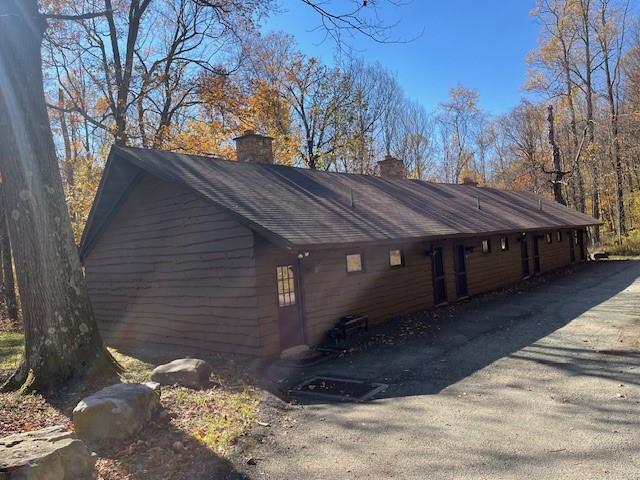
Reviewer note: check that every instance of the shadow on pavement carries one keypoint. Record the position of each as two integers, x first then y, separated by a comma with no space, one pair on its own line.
423,354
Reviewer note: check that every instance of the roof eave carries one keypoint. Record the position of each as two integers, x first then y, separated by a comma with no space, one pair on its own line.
428,238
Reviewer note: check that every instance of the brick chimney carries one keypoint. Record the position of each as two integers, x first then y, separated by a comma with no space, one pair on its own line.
254,148
391,167
467,180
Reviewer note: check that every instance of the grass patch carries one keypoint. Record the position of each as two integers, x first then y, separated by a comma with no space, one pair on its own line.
629,247
216,417
135,370
11,350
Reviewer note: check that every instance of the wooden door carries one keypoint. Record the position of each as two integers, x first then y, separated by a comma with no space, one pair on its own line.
581,244
536,254
524,255
289,319
572,249
439,281
461,271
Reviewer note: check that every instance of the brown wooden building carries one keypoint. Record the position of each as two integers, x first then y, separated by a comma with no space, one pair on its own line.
199,254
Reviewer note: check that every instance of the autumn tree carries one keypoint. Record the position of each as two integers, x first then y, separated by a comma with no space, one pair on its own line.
415,141
551,72
359,125
610,29
458,121
522,148
146,81
62,341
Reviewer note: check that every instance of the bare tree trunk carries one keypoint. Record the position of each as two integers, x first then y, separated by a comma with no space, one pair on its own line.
8,283
62,341
613,118
556,173
68,155
578,181
593,167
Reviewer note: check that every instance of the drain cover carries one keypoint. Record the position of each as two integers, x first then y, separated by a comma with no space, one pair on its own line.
343,389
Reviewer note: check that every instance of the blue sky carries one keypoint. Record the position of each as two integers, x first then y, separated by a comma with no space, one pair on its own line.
481,44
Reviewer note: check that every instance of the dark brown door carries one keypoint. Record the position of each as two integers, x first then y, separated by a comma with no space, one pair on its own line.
572,248
461,271
289,319
581,244
536,254
439,282
524,255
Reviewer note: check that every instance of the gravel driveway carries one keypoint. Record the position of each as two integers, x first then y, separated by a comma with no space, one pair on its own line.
542,383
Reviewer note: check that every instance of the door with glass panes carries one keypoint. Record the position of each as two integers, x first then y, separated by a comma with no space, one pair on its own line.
288,299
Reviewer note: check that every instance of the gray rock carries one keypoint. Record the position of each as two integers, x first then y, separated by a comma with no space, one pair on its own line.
116,412
188,372
53,453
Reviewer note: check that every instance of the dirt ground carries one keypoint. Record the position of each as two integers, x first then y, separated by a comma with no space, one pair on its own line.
543,383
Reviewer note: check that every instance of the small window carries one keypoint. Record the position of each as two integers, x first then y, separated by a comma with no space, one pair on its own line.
549,238
504,244
396,258
354,263
559,236
486,246
575,237
286,285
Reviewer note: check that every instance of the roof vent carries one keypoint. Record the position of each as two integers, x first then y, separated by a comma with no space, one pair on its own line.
254,148
392,167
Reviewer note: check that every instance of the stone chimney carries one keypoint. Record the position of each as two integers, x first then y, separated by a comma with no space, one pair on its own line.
254,148
391,167
467,180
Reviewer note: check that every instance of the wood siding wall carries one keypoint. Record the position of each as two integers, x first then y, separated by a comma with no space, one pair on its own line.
267,256
379,291
171,271
487,272
382,292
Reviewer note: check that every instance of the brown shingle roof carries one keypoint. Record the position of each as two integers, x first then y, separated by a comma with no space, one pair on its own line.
304,207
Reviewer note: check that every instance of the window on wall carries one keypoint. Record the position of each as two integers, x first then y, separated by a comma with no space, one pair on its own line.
396,258
486,246
549,238
354,263
504,244
559,236
286,285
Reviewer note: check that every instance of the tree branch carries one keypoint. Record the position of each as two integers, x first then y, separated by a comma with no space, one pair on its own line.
80,17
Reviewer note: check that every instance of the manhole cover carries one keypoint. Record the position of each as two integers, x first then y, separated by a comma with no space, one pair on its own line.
343,389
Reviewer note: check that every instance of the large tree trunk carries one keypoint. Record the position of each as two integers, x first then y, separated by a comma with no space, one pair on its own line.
8,282
62,341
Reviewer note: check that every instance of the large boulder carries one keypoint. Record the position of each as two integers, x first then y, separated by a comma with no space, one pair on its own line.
116,412
188,372
53,453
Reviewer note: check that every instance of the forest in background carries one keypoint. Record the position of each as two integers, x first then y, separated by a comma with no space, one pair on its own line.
180,75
